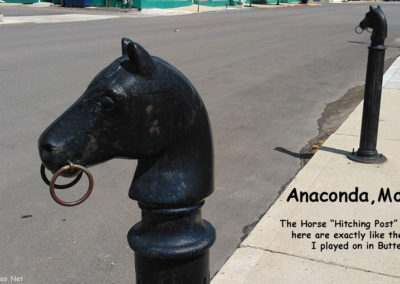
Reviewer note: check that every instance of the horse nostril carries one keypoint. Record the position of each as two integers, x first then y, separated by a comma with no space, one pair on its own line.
48,147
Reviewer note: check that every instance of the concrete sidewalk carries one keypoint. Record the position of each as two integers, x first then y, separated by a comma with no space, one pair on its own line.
51,19
92,14
65,15
366,247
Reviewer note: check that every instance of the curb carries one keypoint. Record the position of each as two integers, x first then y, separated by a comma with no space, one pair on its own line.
270,253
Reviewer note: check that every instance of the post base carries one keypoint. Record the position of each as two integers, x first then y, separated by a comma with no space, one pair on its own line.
378,159
193,270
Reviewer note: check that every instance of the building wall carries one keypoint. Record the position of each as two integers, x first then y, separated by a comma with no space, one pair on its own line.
273,1
161,3
218,3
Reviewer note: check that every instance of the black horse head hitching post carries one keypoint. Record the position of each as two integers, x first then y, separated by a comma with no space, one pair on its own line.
375,20
141,107
367,153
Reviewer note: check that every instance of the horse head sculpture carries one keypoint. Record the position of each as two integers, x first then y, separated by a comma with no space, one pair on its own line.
139,107
376,20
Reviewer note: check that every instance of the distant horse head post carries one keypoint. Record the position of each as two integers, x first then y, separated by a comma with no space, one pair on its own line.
375,19
367,153
140,107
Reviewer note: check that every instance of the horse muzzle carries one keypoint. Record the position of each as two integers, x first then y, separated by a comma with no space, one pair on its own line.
55,155
364,24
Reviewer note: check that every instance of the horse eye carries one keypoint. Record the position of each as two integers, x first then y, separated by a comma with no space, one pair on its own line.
107,103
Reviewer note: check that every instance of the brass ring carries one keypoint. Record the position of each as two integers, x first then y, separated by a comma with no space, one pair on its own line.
71,166
359,30
59,186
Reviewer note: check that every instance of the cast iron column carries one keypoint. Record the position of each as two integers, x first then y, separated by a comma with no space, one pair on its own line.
367,153
141,107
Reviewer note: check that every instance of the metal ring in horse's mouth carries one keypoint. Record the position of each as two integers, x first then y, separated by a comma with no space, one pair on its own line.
359,30
59,186
71,166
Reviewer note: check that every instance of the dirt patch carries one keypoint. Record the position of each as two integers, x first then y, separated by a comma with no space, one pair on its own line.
334,115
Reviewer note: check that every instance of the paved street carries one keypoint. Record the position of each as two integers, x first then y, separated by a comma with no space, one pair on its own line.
265,75
340,243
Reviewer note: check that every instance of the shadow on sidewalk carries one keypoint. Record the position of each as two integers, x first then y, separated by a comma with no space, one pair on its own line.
334,150
310,155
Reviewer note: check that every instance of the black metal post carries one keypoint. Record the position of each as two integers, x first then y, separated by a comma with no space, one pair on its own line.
143,108
172,241
172,245
367,152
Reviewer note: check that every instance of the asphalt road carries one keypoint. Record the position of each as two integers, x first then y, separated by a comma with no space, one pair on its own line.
265,75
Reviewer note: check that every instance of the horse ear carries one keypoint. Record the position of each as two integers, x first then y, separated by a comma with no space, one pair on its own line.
371,8
124,43
141,59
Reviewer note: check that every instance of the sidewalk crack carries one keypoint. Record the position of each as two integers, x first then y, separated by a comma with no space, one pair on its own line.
321,261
